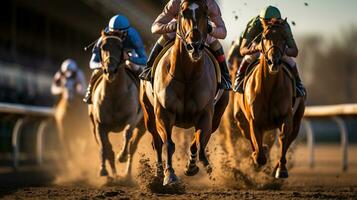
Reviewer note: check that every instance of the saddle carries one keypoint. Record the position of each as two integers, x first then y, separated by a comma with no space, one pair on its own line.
286,68
169,45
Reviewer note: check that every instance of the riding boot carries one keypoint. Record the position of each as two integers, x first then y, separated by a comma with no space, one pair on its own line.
238,83
95,75
300,89
146,74
226,82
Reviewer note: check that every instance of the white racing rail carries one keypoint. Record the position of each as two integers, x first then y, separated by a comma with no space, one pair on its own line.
46,114
23,113
336,113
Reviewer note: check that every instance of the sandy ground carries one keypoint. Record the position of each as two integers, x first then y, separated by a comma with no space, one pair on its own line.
325,181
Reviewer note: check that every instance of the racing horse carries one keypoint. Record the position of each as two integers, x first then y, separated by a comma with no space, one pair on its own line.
115,105
70,113
183,92
268,101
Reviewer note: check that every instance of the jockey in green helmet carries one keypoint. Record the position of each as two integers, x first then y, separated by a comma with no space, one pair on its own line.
249,47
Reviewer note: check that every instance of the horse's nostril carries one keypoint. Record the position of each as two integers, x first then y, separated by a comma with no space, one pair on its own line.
270,62
105,71
190,47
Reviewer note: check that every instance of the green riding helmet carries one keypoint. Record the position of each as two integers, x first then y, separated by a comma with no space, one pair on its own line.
270,12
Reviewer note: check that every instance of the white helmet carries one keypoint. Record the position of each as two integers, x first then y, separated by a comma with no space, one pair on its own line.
69,65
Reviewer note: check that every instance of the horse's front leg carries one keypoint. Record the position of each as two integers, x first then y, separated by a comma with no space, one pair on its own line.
202,137
256,138
164,124
280,170
106,151
123,155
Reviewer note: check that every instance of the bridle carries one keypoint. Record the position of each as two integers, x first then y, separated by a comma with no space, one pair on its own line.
118,61
264,51
183,37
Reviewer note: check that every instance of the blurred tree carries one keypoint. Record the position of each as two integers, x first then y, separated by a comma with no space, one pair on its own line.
329,69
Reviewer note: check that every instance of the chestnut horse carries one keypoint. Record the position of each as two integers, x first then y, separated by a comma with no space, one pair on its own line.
70,114
185,85
115,105
267,102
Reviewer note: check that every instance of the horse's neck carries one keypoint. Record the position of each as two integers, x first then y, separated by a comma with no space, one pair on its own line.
182,66
267,82
117,84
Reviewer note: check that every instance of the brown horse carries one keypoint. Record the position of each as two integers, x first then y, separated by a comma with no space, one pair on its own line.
115,105
70,114
183,93
267,102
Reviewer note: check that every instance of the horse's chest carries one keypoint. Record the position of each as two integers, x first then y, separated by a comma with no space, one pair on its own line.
183,104
269,114
117,111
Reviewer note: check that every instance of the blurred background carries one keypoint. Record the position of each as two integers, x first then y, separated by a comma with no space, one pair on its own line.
37,35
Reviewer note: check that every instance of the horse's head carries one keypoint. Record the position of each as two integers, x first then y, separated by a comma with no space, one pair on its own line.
273,43
111,54
192,26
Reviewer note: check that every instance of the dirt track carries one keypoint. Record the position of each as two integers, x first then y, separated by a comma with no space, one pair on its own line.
324,182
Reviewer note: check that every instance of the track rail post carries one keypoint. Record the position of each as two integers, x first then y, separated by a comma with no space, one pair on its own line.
310,142
344,141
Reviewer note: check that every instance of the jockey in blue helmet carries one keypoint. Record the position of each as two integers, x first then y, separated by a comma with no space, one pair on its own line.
119,26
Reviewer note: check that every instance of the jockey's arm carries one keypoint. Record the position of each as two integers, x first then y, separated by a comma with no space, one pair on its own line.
164,22
138,46
56,84
94,62
219,30
247,49
252,30
291,49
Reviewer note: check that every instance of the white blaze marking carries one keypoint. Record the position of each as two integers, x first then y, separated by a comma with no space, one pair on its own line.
193,7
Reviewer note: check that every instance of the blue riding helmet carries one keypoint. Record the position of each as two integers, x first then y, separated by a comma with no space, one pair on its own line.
69,65
118,23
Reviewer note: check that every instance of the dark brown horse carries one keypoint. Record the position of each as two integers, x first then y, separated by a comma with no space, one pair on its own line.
115,105
267,102
185,85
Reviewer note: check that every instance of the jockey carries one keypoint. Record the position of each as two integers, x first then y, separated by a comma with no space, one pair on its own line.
69,71
166,25
119,26
250,50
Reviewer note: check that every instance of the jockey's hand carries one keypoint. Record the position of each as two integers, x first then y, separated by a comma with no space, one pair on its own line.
255,48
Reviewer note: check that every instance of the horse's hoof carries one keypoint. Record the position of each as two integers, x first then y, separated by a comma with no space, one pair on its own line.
159,171
281,173
122,157
170,178
103,172
191,170
259,161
